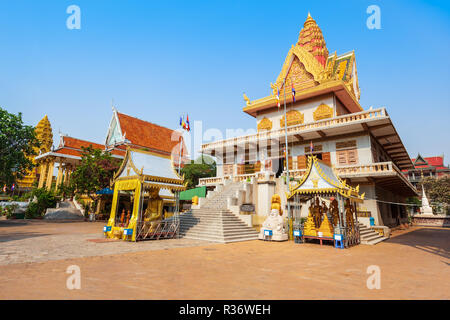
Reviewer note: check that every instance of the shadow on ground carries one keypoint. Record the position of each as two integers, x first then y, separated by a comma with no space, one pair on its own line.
431,240
20,235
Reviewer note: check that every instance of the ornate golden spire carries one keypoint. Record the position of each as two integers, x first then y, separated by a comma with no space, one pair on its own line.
311,38
44,134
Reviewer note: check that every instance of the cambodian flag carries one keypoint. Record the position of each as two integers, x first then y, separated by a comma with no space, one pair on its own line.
181,121
293,93
188,126
13,187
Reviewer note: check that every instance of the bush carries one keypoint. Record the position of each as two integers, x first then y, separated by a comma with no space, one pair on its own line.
32,211
9,210
45,199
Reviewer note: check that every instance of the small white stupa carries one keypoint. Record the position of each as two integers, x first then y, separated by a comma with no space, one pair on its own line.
425,209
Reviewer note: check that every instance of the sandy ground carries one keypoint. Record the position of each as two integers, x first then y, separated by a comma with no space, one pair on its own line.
414,264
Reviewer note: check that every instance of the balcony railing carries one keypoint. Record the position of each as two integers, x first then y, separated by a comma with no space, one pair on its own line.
373,169
311,126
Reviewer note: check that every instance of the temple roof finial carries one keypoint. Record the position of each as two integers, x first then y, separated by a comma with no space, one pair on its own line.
311,39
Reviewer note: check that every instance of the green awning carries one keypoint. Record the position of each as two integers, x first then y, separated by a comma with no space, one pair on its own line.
188,194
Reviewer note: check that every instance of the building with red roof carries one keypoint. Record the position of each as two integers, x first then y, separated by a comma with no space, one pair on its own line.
427,167
124,131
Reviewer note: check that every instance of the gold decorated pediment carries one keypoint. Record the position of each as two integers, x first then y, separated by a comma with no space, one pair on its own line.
311,65
323,111
294,117
265,124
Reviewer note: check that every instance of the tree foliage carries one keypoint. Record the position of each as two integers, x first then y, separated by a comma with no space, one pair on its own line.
437,190
203,167
94,172
17,141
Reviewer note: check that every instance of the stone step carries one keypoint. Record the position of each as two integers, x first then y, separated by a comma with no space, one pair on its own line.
222,239
216,234
212,219
374,241
371,237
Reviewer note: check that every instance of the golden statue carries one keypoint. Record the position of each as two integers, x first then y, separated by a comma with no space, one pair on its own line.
326,228
153,213
349,215
122,217
309,229
276,203
334,210
317,213
128,218
195,200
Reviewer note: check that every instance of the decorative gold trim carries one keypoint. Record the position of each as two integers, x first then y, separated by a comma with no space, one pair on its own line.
307,59
265,124
323,111
294,117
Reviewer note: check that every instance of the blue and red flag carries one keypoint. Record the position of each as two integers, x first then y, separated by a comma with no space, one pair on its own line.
278,97
311,147
293,93
13,187
188,126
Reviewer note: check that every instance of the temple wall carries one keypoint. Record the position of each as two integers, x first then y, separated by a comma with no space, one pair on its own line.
340,109
391,214
362,144
306,107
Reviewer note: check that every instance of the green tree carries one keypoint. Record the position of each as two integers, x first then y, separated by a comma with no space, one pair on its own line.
94,172
437,190
17,143
203,167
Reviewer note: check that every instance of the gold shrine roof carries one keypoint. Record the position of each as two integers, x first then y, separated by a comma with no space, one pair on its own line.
310,69
152,169
320,178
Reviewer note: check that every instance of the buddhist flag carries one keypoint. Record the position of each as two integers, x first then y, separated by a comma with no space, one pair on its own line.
278,97
293,93
311,147
4,188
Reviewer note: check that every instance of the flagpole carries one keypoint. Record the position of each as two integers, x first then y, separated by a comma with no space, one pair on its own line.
287,163
181,150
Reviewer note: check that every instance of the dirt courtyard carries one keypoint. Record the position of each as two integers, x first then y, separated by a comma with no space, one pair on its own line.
34,257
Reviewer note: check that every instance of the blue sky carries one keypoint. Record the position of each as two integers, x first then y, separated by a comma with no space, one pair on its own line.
160,59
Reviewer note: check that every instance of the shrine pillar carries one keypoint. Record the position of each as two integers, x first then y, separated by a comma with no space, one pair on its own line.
66,176
51,166
42,176
59,177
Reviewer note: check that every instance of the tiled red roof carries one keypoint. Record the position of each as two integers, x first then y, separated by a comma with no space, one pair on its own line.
433,161
149,135
78,143
72,146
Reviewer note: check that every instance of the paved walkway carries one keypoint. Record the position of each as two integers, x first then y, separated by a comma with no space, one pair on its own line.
414,264
38,240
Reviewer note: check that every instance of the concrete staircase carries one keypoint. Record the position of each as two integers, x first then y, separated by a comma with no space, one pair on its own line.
65,210
369,236
214,222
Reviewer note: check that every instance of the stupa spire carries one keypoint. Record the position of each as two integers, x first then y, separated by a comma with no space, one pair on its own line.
44,134
311,38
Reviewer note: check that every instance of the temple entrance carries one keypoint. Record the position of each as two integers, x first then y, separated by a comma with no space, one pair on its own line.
279,167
